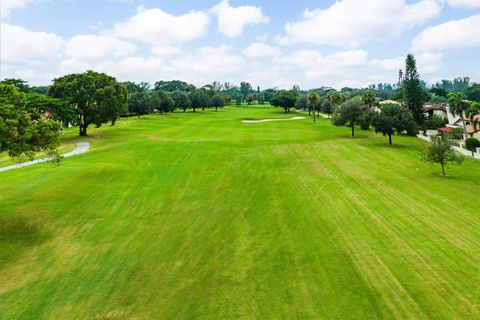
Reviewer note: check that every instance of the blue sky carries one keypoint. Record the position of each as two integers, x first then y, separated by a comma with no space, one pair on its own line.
268,43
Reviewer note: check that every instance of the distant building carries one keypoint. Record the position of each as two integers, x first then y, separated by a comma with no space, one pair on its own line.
438,109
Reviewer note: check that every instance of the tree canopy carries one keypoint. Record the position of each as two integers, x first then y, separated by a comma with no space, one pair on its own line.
393,119
19,133
91,95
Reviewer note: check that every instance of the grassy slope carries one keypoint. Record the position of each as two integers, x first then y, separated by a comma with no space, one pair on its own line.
202,216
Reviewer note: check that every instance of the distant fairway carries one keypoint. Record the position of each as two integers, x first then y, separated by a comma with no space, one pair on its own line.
201,216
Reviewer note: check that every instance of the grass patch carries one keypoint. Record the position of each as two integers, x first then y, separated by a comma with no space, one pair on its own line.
201,216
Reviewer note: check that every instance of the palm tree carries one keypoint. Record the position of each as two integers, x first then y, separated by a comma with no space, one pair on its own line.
369,99
313,101
335,98
472,113
459,107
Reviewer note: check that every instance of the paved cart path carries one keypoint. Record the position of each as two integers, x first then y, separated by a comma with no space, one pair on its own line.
81,147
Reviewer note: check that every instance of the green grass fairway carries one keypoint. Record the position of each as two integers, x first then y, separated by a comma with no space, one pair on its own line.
201,216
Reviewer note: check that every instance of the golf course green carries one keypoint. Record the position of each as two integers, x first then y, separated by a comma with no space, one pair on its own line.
202,216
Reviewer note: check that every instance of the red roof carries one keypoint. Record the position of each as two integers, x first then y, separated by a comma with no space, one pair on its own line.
446,129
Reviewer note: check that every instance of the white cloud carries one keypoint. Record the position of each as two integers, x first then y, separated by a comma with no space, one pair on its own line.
165,51
7,6
318,63
451,35
88,47
159,28
21,46
206,63
258,49
232,20
352,22
427,62
464,3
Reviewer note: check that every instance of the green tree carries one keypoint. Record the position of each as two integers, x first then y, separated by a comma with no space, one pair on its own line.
182,101
199,99
313,101
141,103
459,107
284,99
217,101
245,89
393,119
350,113
413,93
174,85
435,121
164,101
370,99
336,99
19,133
440,151
21,84
302,103
80,90
41,105
112,102
238,99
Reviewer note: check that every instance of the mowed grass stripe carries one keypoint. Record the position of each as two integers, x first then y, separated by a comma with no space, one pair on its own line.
202,216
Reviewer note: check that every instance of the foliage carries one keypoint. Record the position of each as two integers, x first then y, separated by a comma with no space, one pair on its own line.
217,101
325,106
245,89
19,133
181,99
413,93
473,93
459,107
90,95
313,102
302,102
457,85
174,85
393,119
141,103
350,113
199,99
21,84
435,121
440,151
285,99
472,144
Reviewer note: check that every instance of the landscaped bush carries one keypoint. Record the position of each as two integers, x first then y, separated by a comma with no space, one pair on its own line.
472,144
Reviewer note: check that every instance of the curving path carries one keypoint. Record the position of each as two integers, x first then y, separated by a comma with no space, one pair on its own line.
271,120
81,147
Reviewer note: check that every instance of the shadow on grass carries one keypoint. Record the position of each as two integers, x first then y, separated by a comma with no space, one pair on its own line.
17,235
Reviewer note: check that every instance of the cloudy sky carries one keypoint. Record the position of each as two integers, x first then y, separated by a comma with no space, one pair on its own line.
269,43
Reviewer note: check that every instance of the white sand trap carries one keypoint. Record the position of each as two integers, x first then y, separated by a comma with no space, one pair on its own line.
271,120
81,147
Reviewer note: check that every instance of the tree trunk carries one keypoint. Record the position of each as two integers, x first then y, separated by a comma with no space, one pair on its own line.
184,109
353,130
216,109
390,139
465,134
314,117
309,111
443,167
193,109
83,130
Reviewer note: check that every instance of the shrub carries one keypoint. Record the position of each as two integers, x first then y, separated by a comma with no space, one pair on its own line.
472,143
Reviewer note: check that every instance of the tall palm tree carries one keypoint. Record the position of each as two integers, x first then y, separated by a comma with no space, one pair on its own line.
473,113
369,99
313,101
459,107
335,98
